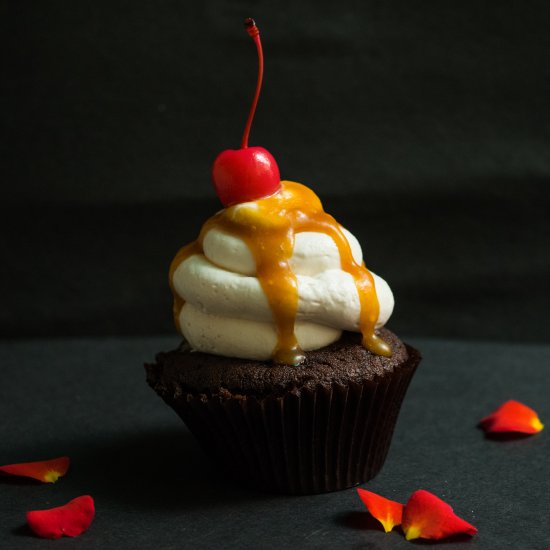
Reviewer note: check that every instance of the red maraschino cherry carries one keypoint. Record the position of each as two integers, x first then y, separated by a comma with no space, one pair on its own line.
248,173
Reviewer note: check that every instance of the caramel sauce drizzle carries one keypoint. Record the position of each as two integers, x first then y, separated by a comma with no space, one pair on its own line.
269,230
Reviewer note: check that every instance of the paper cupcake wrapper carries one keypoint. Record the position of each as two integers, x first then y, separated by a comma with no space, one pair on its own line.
308,441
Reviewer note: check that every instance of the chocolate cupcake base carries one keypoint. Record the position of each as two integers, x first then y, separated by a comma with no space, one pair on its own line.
324,426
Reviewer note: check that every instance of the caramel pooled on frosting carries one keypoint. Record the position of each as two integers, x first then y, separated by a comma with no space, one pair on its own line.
269,230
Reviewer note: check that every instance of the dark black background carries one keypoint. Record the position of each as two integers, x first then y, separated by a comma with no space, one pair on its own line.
423,126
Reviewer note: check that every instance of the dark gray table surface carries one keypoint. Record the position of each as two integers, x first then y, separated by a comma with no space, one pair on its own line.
153,487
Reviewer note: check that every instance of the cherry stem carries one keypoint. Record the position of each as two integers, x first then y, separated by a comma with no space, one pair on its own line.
253,31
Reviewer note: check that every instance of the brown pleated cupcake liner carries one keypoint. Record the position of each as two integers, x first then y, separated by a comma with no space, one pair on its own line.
307,441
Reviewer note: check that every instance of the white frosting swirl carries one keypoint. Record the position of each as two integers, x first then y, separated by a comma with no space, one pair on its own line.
226,311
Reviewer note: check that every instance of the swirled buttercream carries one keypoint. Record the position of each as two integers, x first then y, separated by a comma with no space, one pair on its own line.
259,265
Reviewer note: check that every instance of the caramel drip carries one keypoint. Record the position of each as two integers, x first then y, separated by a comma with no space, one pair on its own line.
269,230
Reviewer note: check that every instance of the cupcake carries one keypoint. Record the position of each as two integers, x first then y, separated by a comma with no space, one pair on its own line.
286,374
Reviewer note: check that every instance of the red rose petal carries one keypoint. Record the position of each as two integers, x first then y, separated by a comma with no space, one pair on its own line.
47,471
512,416
70,520
427,516
387,512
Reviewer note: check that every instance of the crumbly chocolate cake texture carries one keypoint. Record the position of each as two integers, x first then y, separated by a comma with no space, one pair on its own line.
343,362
